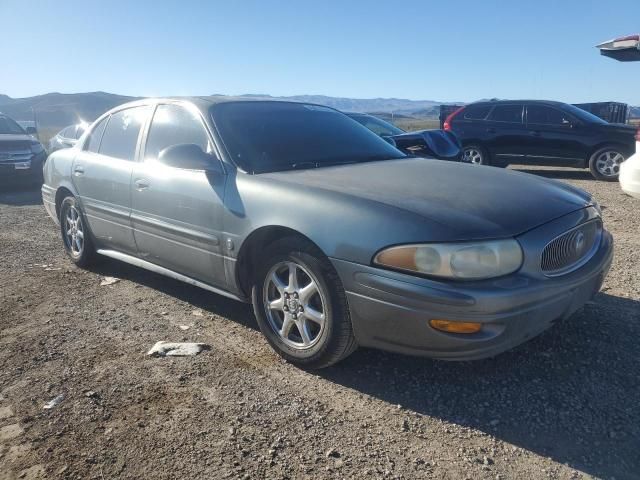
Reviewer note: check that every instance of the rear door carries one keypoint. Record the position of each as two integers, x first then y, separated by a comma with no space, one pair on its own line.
506,132
177,213
552,136
102,176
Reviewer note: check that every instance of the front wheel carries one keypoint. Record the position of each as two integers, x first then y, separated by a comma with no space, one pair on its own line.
301,307
605,164
75,234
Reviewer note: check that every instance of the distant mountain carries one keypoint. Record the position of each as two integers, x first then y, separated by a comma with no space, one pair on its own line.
388,105
56,110
59,109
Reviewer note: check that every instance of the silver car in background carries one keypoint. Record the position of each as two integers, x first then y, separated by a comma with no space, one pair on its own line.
336,237
67,137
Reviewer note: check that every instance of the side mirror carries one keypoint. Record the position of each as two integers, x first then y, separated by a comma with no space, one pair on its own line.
190,157
31,130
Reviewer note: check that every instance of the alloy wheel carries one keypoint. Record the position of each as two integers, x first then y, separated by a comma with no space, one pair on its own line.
473,156
74,231
608,163
295,305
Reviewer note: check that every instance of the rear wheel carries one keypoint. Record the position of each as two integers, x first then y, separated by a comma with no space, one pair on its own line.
475,155
605,163
301,306
75,234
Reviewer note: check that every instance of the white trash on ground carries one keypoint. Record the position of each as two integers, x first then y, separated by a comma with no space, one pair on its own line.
109,281
53,403
177,349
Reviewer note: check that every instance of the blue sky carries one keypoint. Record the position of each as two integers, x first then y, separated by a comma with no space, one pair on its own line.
460,50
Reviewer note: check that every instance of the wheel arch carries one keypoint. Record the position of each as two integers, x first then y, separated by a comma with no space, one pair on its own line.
624,149
63,191
254,244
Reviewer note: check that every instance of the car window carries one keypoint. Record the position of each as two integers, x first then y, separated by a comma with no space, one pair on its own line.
378,126
93,144
543,115
476,112
274,136
506,113
174,125
79,131
121,135
8,126
69,132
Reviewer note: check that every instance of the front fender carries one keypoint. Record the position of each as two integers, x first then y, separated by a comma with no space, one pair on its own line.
341,225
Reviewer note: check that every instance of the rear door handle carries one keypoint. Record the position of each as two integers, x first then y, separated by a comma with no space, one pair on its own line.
78,170
491,130
535,133
141,184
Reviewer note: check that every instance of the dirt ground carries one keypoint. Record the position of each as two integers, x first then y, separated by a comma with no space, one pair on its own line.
564,405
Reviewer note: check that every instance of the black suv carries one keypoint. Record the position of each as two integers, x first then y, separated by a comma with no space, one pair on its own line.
540,132
21,154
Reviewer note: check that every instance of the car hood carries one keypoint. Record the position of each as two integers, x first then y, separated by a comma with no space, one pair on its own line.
8,141
471,202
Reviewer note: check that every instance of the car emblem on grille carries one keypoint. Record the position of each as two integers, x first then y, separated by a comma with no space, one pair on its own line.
578,243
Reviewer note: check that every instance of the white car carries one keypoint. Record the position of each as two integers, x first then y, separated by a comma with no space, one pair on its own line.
630,172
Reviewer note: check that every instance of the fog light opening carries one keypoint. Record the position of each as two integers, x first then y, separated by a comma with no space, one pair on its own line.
449,326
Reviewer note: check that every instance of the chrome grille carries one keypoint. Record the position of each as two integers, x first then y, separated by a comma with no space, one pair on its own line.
14,146
572,249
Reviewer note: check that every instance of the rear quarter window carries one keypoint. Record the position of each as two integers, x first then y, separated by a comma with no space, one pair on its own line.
93,144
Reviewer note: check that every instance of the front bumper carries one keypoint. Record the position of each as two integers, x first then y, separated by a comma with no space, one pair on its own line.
391,310
630,175
27,169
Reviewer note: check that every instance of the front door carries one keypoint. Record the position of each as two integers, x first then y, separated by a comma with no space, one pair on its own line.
101,173
177,213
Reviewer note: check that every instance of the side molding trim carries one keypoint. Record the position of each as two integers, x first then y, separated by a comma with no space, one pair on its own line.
138,262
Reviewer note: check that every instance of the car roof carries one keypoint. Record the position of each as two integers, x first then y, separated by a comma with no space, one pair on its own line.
205,102
498,102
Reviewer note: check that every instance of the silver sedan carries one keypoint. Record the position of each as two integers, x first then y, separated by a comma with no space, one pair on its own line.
336,237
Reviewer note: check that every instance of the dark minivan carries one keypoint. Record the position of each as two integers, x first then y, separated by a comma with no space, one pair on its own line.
541,132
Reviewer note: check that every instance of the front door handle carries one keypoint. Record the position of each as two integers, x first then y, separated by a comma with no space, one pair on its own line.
141,184
78,170
535,133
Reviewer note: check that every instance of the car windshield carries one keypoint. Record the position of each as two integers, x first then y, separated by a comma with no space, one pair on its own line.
377,126
9,126
584,115
274,136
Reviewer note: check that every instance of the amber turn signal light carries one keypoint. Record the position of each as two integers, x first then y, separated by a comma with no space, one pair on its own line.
455,327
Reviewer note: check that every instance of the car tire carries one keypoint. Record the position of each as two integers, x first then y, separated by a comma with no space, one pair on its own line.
75,233
475,154
304,317
605,163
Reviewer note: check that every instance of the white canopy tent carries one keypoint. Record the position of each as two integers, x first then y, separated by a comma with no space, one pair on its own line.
623,49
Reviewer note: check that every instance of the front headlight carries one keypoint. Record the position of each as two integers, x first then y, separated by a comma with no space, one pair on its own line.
36,147
464,260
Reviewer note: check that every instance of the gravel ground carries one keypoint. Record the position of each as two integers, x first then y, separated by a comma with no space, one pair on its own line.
564,405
